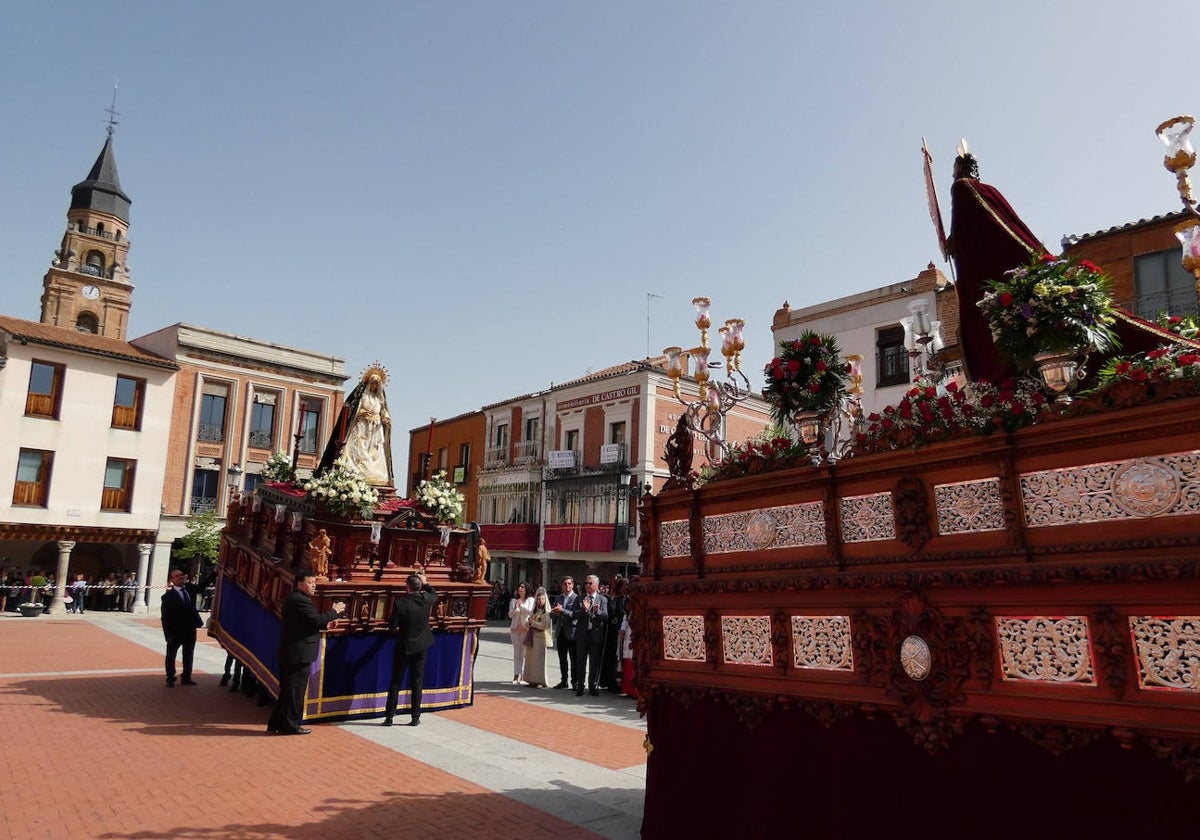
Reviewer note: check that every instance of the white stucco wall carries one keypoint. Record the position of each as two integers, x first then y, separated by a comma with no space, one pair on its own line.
82,438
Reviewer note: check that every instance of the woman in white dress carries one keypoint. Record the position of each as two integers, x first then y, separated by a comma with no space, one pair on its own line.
519,610
535,654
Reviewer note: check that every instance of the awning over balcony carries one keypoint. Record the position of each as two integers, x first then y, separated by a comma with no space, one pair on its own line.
580,537
515,537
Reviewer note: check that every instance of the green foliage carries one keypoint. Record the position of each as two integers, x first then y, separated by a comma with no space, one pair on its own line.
203,538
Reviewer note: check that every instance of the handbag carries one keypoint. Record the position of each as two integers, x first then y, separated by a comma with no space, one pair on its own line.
528,642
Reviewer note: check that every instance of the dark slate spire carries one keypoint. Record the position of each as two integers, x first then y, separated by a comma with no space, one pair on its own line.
101,190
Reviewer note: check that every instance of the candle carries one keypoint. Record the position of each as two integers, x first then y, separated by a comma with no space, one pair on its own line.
303,413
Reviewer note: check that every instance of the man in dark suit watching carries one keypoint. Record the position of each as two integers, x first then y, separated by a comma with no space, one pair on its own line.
410,622
591,621
564,631
297,650
179,622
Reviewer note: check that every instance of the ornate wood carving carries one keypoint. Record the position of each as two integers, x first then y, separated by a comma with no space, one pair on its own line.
926,698
1183,755
751,709
712,637
910,501
1110,644
1057,739
781,639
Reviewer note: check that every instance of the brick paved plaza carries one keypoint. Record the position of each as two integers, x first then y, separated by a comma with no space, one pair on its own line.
97,746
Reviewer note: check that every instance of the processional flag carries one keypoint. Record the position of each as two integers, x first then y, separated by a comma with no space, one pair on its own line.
935,212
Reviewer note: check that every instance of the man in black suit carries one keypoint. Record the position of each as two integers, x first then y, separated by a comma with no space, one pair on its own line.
591,621
561,615
179,622
297,650
410,622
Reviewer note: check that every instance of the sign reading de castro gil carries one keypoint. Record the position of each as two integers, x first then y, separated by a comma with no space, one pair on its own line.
597,399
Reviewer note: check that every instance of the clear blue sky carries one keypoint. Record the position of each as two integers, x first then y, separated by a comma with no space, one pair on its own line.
481,194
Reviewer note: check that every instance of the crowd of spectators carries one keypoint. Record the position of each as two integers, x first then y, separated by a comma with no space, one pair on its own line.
615,673
108,592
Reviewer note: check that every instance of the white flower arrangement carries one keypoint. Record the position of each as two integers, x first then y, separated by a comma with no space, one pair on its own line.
278,468
342,491
440,498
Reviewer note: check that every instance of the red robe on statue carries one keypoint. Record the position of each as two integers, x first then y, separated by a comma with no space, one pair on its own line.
987,238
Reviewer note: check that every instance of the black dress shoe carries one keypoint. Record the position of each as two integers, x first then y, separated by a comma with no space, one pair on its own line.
561,685
225,680
415,722
170,682
579,692
593,692
300,731
188,682
387,721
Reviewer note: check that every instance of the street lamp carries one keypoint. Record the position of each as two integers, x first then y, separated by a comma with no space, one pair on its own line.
235,476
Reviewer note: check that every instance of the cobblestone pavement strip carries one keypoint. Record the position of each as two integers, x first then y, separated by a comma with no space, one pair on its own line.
97,746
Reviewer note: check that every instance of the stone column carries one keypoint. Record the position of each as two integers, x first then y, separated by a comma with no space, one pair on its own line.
143,581
57,607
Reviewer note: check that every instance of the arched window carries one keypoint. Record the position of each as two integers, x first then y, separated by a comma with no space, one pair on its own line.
94,264
87,323
99,228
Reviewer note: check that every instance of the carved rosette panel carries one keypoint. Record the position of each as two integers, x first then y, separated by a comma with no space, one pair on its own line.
1051,649
458,606
746,640
675,538
822,642
1167,651
788,526
927,698
868,518
1133,489
683,638
965,507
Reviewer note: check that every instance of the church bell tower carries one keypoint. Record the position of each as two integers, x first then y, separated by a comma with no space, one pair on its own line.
87,287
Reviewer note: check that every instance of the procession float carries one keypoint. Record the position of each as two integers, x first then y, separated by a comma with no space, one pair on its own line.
973,614
347,525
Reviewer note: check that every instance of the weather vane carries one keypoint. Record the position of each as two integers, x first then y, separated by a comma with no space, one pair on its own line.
112,112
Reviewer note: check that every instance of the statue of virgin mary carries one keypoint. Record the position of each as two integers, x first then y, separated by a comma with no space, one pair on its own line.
362,435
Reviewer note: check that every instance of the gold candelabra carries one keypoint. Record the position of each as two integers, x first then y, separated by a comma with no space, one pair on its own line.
705,416
1179,160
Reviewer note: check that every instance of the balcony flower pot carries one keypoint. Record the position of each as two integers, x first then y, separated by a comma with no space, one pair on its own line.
31,609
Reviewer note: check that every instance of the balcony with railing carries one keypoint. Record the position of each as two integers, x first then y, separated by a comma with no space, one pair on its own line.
203,504
211,432
1180,301
527,452
495,457
261,440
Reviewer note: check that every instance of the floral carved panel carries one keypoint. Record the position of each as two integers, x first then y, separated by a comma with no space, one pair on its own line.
868,518
746,639
1167,651
1133,489
822,642
965,507
683,638
675,539
1052,649
788,526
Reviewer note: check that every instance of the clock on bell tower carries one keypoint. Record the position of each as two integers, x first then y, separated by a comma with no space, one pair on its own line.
87,287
